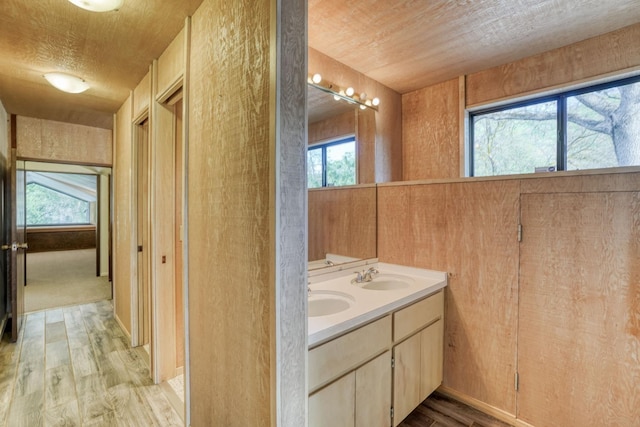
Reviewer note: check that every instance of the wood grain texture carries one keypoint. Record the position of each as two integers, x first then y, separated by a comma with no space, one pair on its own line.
342,221
51,141
171,66
142,97
123,207
593,57
468,230
579,327
373,392
60,240
388,118
366,137
246,215
581,184
430,132
57,36
406,386
163,242
340,397
333,127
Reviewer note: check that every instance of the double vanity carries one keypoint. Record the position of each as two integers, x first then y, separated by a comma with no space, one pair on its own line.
375,342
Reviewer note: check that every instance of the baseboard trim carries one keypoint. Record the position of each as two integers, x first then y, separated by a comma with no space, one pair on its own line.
173,398
126,333
500,414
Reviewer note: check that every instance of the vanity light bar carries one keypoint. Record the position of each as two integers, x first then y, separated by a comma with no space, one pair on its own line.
346,94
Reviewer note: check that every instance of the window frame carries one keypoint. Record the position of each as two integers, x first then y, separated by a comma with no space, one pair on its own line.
74,224
323,146
561,117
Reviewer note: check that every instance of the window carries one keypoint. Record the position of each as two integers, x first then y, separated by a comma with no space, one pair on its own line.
55,199
332,164
594,127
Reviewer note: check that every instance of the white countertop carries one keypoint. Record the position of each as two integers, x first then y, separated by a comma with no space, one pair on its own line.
367,304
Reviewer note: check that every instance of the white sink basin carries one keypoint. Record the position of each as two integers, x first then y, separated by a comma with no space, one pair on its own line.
387,282
325,303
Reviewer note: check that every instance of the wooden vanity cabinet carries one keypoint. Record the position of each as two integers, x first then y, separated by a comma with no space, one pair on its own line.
418,359
351,378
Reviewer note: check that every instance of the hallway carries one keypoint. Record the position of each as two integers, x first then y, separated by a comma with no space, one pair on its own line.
73,366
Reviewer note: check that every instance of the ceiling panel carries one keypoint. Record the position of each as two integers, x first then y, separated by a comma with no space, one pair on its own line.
411,44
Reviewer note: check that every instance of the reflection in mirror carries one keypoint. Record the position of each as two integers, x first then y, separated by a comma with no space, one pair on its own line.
342,220
342,224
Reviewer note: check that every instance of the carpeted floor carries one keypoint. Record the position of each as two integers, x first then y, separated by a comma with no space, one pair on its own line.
61,278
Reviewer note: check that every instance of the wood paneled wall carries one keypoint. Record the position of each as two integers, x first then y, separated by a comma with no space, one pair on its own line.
51,141
142,97
342,221
388,118
333,127
124,235
612,52
470,231
579,323
246,205
171,66
430,132
43,240
560,307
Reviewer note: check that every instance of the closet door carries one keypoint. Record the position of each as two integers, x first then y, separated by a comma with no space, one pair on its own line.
579,320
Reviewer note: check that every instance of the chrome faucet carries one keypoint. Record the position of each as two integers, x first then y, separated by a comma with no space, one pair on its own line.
365,276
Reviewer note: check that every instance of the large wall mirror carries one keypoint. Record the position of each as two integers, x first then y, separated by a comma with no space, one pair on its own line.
342,220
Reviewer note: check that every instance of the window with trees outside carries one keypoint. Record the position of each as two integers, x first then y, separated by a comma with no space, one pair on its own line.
58,199
591,128
332,164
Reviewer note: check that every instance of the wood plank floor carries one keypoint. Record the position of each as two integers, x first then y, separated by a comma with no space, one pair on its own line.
73,366
440,411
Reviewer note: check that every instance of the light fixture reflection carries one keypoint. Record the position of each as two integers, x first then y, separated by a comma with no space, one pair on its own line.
66,82
98,5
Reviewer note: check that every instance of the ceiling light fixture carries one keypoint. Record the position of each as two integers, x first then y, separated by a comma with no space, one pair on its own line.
98,5
67,82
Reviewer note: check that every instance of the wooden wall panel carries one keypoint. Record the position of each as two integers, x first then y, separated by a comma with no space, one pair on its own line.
470,231
239,374
611,52
366,137
5,144
579,184
142,97
171,66
388,118
43,240
342,221
51,141
579,327
430,132
123,210
333,127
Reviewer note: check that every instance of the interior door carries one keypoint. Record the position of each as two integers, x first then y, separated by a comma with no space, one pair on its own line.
17,245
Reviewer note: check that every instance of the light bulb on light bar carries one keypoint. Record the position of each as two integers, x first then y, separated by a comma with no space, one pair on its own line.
67,82
375,101
98,5
317,78
350,91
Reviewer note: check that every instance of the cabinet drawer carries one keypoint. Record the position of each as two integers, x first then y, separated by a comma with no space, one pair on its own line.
343,354
418,315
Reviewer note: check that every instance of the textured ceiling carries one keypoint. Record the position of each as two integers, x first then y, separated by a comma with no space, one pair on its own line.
410,44
404,44
112,51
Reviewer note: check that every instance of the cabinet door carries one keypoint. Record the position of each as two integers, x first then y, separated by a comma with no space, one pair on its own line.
335,404
373,392
431,341
406,378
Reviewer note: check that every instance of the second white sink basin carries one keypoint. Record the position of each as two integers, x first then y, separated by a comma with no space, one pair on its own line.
325,303
387,282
